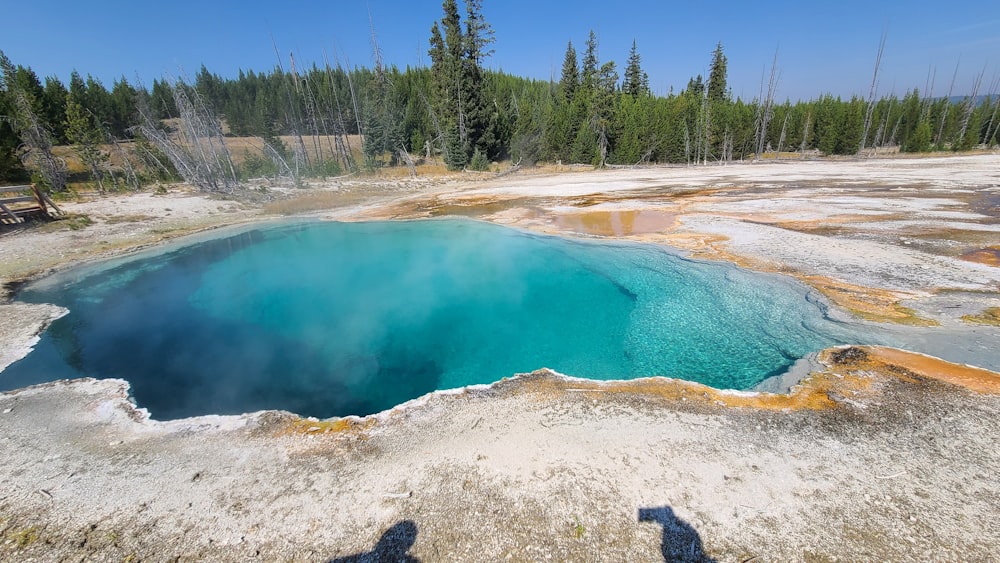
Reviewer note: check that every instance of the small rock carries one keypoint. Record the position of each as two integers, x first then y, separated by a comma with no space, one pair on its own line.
7,411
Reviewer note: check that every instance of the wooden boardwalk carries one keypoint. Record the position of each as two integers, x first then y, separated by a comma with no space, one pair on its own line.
22,203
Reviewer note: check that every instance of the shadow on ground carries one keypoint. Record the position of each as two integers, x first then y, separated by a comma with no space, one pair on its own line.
680,542
392,546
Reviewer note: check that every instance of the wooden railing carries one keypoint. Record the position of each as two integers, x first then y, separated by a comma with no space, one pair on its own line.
20,203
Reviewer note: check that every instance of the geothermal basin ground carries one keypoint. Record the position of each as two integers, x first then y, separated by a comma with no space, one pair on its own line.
868,453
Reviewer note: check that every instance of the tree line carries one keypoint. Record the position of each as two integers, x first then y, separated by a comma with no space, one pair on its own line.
456,110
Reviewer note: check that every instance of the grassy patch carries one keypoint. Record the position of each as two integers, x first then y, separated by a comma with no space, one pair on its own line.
990,316
578,529
69,194
899,315
316,201
136,218
867,303
70,221
24,538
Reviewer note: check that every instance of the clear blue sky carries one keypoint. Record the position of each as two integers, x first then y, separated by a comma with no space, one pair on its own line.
823,46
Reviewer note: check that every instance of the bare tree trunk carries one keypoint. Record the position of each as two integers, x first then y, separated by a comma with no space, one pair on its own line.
687,144
706,127
758,116
925,104
781,138
279,161
805,135
37,142
878,141
200,156
990,131
947,106
434,119
462,133
312,116
871,94
341,139
895,130
970,106
299,154
127,167
994,84
767,112
405,157
727,146
354,100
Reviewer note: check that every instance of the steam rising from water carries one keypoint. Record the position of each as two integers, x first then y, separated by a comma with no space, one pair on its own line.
329,319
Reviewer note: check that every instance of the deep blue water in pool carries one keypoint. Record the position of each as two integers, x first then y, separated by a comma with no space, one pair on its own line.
328,319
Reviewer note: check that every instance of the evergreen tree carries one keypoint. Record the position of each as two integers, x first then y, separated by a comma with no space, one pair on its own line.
570,79
603,111
383,123
454,155
478,37
23,89
87,137
588,74
210,88
54,108
11,168
636,82
98,100
438,54
456,68
25,80
717,89
478,32
383,115
695,87
920,139
447,54
161,99
534,110
123,110
77,88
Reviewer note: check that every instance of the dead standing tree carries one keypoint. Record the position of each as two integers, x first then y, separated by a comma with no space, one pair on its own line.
781,138
300,156
870,108
990,131
947,105
198,150
805,135
970,106
37,145
340,137
36,140
765,108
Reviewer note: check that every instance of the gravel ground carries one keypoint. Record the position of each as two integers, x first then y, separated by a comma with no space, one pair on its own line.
868,460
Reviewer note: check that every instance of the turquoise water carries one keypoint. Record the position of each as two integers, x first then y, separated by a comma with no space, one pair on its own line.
329,319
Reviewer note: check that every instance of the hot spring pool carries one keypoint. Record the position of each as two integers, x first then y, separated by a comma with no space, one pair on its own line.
327,319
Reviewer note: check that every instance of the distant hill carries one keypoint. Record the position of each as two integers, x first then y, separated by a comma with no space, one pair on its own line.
980,100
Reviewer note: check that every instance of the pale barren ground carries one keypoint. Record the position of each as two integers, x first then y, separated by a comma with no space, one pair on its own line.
881,461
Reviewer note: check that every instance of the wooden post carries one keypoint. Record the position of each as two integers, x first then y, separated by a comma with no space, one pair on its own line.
38,197
44,199
6,211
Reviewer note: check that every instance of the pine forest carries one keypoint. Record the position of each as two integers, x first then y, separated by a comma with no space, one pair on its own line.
326,120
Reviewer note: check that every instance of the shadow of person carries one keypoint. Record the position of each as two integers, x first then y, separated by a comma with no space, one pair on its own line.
680,542
391,547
